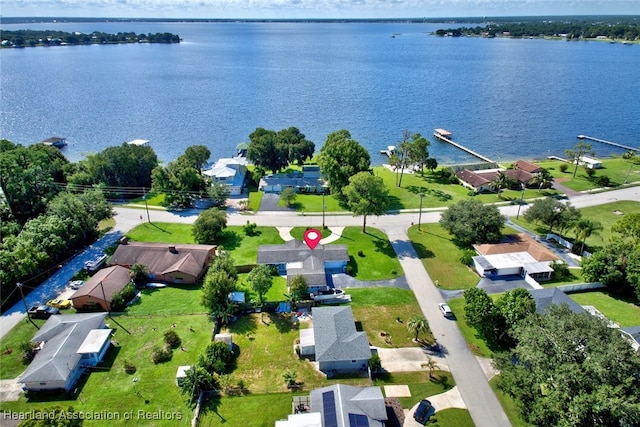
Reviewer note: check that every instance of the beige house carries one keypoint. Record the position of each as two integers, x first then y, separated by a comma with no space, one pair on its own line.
166,262
97,292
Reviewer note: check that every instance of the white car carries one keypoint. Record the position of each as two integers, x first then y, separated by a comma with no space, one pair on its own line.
445,309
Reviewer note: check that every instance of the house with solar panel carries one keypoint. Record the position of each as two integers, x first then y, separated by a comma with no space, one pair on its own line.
338,405
68,345
334,343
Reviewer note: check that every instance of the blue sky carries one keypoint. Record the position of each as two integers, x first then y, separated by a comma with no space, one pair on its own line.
313,8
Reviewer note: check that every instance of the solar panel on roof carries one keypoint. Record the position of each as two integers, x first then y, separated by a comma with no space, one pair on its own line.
329,409
358,420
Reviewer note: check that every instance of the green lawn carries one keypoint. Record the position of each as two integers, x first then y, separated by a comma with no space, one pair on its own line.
509,405
298,232
378,261
616,168
242,248
393,307
476,343
172,300
441,257
108,388
625,312
606,214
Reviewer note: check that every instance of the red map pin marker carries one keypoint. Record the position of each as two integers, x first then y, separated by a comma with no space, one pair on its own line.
312,237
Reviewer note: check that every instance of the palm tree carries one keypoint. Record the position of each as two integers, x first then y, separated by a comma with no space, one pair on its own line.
500,181
417,325
585,228
543,179
430,364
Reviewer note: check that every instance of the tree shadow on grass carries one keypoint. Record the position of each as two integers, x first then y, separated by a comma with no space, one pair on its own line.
384,247
159,228
422,251
244,325
211,403
395,203
230,240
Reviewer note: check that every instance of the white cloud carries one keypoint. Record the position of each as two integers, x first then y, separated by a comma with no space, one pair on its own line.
312,8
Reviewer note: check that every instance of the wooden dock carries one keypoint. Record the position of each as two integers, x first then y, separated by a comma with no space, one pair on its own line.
615,144
445,136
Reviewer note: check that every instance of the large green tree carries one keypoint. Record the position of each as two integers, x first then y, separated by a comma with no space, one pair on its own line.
552,213
617,265
125,169
28,176
340,158
419,152
273,150
366,194
628,226
260,280
209,227
472,222
216,287
571,369
480,312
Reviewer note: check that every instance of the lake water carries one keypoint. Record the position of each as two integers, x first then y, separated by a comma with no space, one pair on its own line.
504,98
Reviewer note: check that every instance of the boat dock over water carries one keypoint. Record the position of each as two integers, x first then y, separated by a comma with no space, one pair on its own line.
445,135
390,151
615,144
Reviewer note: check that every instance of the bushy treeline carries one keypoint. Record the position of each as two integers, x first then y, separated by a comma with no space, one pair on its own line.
572,29
54,38
40,222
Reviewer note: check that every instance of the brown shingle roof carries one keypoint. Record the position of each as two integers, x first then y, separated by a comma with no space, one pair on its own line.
162,258
472,178
520,243
104,283
527,166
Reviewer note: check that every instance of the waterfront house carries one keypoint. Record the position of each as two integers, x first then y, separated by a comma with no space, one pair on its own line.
68,345
231,172
474,181
308,181
166,262
98,291
527,166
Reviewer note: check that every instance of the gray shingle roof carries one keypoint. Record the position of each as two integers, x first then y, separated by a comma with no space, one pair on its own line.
367,401
548,296
335,335
63,335
298,251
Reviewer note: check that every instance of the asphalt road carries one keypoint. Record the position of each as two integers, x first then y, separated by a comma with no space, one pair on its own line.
471,381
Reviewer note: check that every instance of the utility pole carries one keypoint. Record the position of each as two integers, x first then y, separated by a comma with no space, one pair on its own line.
323,207
144,196
420,213
26,308
520,203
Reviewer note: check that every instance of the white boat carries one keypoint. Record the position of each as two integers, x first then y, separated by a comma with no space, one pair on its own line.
331,295
155,285
94,265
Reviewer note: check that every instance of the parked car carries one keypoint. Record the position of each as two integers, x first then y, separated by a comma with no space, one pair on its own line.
42,311
445,309
59,303
423,412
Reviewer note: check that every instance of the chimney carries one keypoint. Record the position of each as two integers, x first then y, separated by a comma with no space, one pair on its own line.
172,249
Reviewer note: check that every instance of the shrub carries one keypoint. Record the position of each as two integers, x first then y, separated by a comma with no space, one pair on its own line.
467,257
218,358
563,167
120,299
360,253
375,364
129,367
603,181
249,228
590,172
348,269
172,339
161,354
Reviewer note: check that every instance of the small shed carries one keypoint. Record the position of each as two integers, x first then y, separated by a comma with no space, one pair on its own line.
181,373
225,338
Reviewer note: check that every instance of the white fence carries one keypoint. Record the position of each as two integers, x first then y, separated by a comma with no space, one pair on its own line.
567,244
577,287
530,280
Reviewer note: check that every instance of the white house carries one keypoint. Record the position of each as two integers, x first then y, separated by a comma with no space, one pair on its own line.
229,171
589,162
69,344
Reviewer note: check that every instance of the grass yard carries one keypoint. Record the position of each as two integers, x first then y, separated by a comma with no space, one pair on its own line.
276,293
625,312
11,364
298,232
172,300
441,257
509,405
242,248
378,261
108,388
476,343
606,214
390,304
616,168
260,410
